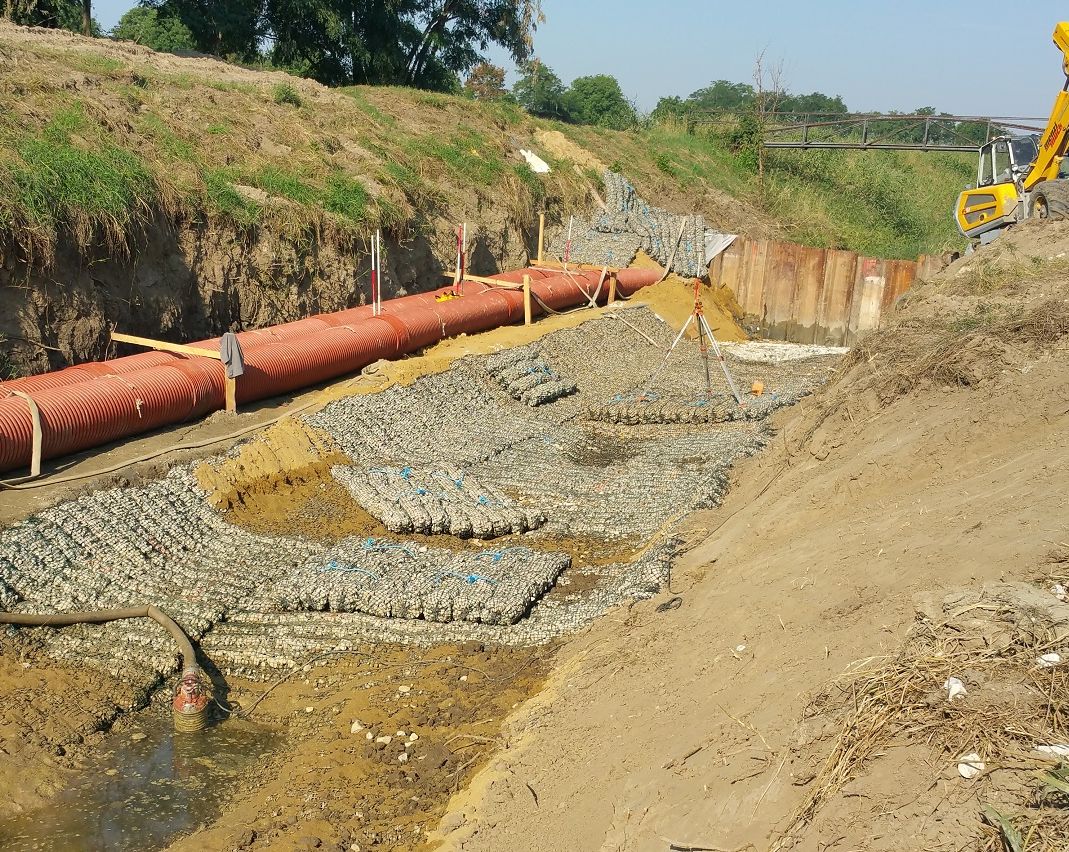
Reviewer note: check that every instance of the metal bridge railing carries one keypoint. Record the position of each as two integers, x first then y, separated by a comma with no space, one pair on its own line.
876,131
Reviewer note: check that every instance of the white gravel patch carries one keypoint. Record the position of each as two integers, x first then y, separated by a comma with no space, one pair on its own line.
766,352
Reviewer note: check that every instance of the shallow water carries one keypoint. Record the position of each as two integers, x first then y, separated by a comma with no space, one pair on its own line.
139,795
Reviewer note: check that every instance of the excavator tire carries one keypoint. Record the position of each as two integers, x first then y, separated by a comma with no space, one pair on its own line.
1051,200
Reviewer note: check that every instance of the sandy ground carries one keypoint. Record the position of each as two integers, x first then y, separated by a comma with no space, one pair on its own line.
675,725
794,584
938,461
332,787
276,483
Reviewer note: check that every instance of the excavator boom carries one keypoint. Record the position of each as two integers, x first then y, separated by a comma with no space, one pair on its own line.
1053,141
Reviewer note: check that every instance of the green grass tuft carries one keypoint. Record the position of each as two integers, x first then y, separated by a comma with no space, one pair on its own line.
467,156
276,181
57,178
224,200
167,140
368,108
531,181
95,64
665,164
346,197
284,93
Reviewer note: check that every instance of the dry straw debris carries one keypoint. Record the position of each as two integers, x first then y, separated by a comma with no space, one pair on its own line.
992,640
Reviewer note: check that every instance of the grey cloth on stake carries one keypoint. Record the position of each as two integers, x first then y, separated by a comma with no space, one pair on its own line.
230,355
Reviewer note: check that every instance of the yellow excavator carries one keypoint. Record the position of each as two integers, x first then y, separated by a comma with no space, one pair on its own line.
1021,177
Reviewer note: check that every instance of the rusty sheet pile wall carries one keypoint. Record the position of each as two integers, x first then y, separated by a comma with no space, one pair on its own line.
811,295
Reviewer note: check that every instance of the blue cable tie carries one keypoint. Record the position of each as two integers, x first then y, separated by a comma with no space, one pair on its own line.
470,579
375,546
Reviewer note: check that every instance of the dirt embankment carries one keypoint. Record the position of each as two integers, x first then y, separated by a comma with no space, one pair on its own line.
180,197
181,282
788,691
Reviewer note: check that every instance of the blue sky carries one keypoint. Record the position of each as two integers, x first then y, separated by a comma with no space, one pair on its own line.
972,58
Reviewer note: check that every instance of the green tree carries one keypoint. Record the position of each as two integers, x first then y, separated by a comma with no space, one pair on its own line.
540,91
423,43
599,100
816,102
451,33
73,15
229,28
722,95
143,25
670,108
486,82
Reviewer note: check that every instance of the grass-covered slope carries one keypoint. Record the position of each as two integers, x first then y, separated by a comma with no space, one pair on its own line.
882,203
97,136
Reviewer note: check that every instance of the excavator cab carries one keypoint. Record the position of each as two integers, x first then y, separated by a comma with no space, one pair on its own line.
1022,177
995,200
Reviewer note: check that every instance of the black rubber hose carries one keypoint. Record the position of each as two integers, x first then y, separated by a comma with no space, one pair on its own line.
101,616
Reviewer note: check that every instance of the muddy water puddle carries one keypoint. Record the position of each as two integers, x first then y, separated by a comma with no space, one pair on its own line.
142,793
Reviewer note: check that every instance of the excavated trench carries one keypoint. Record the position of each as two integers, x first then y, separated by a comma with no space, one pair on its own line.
507,501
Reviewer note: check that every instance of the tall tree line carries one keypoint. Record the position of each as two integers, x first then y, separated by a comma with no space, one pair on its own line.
428,44
74,15
424,43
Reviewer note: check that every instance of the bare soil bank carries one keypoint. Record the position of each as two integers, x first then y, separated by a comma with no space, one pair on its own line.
709,718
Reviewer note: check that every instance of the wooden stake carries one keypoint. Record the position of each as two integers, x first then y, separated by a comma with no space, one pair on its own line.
231,386
541,234
612,288
526,299
568,243
481,279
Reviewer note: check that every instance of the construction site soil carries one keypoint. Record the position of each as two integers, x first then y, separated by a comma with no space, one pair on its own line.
765,667
280,484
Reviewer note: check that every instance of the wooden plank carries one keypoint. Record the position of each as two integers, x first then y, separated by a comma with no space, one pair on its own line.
900,277
479,279
37,437
869,285
730,270
755,281
781,285
164,346
811,265
716,270
737,274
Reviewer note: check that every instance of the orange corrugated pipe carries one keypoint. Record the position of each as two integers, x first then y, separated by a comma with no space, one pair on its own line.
92,404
